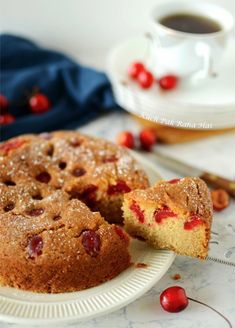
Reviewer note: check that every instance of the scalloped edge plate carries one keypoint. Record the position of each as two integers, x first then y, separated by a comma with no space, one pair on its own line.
29,308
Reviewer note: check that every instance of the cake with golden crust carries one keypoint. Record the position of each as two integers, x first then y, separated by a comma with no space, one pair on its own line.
51,187
90,169
173,215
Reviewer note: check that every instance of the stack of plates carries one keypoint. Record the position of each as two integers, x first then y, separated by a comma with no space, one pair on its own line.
209,105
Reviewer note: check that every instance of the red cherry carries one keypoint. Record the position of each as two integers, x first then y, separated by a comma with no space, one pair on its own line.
145,79
193,222
9,207
220,199
168,82
110,159
174,181
43,177
39,103
11,145
79,171
174,299
135,69
119,188
3,104
126,139
147,138
35,246
121,233
6,119
35,212
138,211
91,242
163,213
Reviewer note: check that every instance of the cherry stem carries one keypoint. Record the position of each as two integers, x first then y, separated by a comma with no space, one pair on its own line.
229,323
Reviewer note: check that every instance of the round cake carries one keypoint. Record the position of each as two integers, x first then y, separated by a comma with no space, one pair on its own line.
54,187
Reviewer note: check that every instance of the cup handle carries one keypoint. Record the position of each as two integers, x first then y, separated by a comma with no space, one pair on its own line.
203,50
155,42
149,37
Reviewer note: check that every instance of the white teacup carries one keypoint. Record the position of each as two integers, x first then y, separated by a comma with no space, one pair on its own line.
195,56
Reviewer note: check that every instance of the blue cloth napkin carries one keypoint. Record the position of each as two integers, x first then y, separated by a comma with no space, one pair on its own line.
77,93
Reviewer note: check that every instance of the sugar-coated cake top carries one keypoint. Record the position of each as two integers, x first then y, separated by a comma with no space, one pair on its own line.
66,160
189,195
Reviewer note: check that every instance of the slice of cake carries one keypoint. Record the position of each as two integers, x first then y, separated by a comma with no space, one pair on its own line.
173,215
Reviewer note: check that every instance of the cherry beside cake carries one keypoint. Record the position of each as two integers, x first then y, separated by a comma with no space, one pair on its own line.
173,215
53,239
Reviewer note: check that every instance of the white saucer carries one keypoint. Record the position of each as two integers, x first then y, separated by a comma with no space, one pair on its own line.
33,308
210,105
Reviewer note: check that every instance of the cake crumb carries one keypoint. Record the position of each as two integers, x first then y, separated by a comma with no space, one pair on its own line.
176,276
141,265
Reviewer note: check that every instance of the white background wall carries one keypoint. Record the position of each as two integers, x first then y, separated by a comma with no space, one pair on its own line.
85,29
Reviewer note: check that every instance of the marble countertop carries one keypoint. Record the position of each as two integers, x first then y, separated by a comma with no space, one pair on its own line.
208,282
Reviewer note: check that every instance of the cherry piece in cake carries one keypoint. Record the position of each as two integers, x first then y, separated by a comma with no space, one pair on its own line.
62,165
57,218
91,242
138,212
35,246
173,181
75,142
193,222
163,213
9,183
121,233
11,145
119,188
35,212
110,159
78,172
9,207
43,177
37,196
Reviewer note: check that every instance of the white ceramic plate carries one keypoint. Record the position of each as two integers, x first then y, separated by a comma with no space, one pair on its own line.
34,308
210,105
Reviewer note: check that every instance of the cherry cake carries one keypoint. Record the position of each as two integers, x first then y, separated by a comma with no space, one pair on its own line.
60,197
173,215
